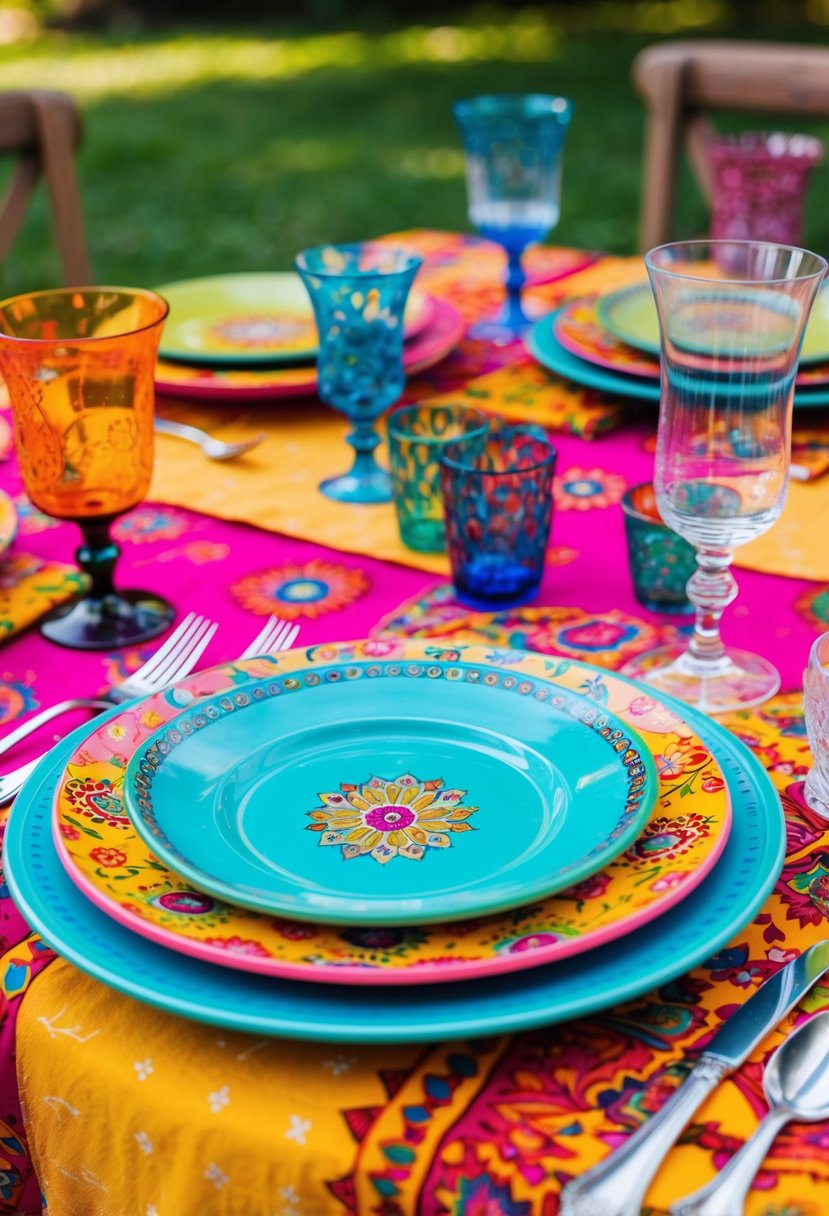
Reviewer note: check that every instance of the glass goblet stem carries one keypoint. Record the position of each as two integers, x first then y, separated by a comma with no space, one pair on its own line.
97,556
711,588
364,439
516,319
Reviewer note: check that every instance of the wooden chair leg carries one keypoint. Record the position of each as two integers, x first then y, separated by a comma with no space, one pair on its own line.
662,144
56,126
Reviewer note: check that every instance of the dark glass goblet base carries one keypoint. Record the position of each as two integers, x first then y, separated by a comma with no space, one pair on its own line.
105,618
122,619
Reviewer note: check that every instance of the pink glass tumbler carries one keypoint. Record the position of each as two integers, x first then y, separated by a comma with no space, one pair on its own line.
759,185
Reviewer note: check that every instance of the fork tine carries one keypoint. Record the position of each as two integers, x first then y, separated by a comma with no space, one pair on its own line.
185,657
260,644
159,655
155,673
287,642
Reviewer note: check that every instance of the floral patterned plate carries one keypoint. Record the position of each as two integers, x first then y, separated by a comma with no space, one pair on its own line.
682,840
729,899
441,335
346,792
257,318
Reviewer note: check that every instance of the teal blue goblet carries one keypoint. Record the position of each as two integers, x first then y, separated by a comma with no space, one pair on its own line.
513,146
359,295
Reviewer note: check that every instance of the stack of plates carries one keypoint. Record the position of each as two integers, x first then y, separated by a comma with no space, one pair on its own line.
386,841
248,336
611,343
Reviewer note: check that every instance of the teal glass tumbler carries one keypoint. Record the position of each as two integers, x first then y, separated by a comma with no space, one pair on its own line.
498,502
418,435
359,295
661,561
512,145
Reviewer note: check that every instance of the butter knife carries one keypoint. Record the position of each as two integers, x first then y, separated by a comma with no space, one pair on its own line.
617,1185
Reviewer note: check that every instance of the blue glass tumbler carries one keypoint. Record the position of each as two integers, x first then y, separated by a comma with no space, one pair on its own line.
498,501
359,295
513,145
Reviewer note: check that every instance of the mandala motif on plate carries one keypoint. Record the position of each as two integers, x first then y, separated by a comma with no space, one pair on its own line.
383,819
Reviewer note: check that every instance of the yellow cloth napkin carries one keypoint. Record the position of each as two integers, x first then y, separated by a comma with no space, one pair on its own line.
30,587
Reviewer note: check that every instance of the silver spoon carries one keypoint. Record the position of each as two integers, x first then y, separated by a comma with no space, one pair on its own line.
214,449
796,1084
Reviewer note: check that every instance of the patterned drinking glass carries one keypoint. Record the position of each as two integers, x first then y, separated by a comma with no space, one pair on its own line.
816,706
513,146
759,185
79,366
417,436
498,502
359,295
661,562
731,319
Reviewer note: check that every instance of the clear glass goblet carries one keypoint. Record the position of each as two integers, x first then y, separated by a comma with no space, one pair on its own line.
731,320
513,145
359,295
79,365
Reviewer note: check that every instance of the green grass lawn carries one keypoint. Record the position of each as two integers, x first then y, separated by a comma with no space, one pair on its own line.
208,152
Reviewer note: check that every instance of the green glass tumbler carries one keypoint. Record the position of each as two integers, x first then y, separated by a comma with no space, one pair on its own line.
417,436
661,561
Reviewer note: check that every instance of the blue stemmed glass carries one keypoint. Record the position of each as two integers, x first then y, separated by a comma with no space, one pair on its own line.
513,147
359,295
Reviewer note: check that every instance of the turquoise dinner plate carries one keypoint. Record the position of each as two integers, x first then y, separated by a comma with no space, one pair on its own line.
545,347
390,793
694,931
630,315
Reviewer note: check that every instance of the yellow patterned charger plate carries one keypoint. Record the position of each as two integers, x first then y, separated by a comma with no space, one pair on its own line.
109,862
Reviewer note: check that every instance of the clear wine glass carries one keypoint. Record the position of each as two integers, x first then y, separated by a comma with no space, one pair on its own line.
513,145
731,320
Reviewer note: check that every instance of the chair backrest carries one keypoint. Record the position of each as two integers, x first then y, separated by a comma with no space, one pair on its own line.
41,130
683,82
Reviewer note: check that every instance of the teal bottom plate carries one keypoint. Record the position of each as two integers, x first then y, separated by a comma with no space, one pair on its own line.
545,347
700,926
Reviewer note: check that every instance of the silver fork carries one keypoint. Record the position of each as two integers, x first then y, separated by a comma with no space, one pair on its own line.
275,636
174,659
214,449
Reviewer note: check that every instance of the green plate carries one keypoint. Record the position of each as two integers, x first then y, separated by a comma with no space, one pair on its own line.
630,315
544,346
253,319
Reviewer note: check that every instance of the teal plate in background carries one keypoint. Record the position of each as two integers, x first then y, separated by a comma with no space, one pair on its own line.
380,793
545,347
702,924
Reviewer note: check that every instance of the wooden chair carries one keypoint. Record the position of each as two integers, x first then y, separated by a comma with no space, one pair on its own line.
41,130
682,82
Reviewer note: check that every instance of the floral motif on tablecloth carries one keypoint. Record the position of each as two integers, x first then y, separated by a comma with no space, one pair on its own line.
401,817
584,489
311,589
16,698
150,523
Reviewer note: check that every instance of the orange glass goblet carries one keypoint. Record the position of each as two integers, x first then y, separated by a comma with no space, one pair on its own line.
79,366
